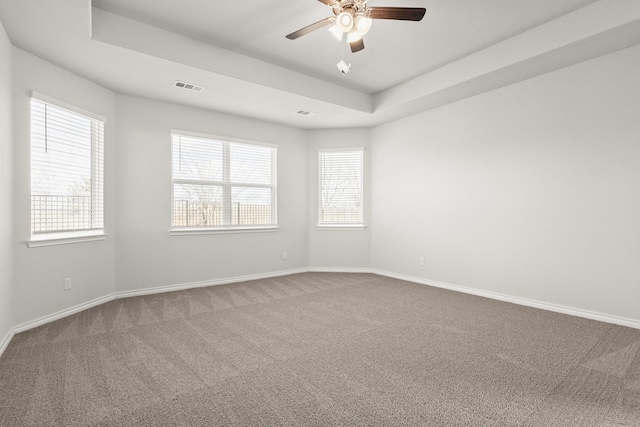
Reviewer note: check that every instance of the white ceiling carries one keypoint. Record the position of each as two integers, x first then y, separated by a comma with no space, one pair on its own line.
239,52
395,51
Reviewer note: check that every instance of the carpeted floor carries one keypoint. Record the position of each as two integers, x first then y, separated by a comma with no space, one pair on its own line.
321,349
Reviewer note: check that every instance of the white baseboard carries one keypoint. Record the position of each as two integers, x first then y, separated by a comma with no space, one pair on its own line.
148,291
607,318
338,270
63,313
6,340
225,281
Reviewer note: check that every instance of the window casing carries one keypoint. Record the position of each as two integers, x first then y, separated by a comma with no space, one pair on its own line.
222,184
67,171
340,187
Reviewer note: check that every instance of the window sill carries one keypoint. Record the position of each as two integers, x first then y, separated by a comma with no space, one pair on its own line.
234,230
64,239
342,227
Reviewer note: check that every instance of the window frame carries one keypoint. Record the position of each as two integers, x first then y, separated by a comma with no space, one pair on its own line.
340,226
97,160
226,185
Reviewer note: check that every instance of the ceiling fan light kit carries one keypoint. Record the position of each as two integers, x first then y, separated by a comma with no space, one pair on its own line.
344,22
354,35
353,19
362,24
335,32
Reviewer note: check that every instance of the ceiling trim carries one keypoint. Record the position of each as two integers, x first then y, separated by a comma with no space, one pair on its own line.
132,57
127,33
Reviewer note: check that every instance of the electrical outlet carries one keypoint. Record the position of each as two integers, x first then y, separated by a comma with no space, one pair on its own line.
421,260
67,283
284,255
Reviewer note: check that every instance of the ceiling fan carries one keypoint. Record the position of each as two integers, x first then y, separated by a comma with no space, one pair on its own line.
353,19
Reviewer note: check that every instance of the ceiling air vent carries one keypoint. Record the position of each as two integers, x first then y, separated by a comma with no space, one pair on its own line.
189,86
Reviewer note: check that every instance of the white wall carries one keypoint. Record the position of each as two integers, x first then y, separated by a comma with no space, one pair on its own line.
39,272
6,191
147,255
529,191
330,248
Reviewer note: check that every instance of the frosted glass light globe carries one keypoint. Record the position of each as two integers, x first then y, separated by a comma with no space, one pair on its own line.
344,22
362,24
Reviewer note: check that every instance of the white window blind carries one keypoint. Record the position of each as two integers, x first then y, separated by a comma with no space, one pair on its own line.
67,172
340,192
219,184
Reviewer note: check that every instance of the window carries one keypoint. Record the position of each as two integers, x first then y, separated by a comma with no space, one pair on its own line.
220,184
340,194
67,171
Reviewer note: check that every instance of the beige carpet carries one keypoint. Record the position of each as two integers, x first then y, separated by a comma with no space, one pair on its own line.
321,350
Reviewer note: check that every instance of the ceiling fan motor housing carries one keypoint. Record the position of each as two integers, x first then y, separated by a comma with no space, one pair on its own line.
353,7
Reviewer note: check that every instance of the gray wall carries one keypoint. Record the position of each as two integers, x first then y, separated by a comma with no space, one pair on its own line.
6,191
137,188
529,191
147,255
39,272
332,248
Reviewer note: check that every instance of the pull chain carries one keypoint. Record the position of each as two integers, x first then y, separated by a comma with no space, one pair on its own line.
345,66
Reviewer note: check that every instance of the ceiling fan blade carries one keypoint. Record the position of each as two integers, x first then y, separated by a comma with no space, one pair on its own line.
328,2
309,28
399,13
357,45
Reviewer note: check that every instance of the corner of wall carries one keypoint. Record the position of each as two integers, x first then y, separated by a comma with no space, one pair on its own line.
337,249
37,292
6,190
